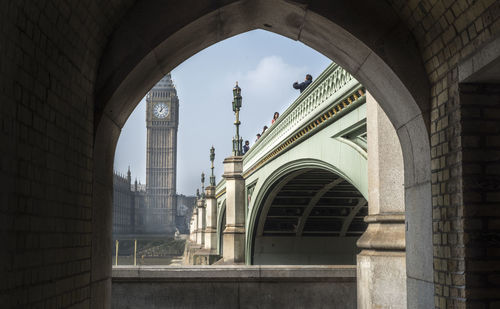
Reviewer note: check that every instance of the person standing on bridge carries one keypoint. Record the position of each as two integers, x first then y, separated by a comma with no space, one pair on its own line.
275,117
304,84
246,147
263,130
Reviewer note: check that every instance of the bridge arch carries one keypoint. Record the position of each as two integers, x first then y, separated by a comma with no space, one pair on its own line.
367,38
326,180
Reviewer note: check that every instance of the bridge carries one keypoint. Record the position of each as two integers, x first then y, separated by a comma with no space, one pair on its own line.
304,169
300,195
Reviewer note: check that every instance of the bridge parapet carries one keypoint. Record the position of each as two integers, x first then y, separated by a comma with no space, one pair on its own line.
328,96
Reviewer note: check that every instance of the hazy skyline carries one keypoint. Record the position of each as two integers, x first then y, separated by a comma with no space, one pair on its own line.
265,66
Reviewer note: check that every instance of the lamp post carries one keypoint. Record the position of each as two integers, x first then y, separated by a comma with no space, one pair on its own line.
237,141
202,185
212,158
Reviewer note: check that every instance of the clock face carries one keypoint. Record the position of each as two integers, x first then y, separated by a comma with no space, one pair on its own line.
160,110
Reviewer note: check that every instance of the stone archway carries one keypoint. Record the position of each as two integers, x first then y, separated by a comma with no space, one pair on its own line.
365,37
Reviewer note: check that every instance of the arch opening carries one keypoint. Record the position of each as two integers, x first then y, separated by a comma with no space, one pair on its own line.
313,217
391,69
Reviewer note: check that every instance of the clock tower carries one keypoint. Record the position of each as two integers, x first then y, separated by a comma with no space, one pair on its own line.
162,119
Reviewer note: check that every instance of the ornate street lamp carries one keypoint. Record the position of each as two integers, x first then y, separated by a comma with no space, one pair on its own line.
202,185
212,158
237,141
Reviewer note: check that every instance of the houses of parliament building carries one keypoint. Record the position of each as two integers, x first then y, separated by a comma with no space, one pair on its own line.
154,208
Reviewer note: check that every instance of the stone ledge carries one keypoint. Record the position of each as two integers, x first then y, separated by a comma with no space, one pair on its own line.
344,273
383,236
385,218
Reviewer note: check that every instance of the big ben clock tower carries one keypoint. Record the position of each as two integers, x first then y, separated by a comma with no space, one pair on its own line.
162,119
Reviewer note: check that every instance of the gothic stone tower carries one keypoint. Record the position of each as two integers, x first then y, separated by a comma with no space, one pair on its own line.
162,118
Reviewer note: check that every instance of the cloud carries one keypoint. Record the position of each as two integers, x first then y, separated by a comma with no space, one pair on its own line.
266,88
271,75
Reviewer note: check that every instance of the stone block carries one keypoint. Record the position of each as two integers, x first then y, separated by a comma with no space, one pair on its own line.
420,293
386,272
419,232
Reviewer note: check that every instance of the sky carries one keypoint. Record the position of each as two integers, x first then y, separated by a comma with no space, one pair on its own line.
264,64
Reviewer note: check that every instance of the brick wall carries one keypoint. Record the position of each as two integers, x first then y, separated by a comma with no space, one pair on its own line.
447,32
480,141
49,54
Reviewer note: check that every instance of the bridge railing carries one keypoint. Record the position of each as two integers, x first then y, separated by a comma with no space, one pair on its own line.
327,92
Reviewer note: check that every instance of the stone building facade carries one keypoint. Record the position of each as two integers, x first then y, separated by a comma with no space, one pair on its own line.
129,199
130,207
123,204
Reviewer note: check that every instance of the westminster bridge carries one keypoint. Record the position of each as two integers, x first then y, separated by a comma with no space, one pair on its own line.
294,210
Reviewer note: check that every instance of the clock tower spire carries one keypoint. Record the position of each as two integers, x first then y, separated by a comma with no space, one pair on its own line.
162,119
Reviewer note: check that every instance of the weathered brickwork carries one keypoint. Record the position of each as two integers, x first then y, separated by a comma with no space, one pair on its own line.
49,54
448,31
480,122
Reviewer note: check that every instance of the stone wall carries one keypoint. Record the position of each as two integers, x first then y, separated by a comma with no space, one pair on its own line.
235,287
480,143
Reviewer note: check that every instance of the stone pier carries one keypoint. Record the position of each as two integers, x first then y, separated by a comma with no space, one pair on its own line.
200,231
381,264
234,232
192,228
211,219
194,232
